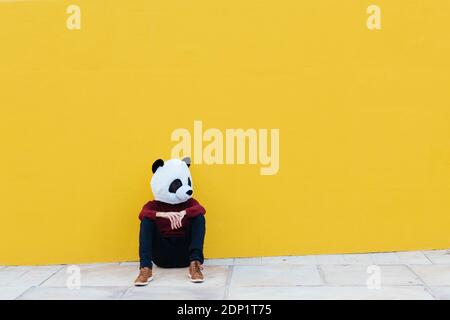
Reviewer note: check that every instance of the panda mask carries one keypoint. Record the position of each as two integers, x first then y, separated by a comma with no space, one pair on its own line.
172,181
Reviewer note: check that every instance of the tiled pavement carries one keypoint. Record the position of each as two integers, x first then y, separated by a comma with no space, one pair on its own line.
403,275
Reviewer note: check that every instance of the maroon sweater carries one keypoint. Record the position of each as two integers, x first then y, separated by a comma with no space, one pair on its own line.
192,207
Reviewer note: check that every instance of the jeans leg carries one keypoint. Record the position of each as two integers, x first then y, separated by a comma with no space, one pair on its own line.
145,242
197,237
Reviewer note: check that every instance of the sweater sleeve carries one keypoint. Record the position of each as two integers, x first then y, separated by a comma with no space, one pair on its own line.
148,211
195,209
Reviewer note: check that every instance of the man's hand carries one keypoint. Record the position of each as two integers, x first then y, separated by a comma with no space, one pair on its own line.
182,214
174,217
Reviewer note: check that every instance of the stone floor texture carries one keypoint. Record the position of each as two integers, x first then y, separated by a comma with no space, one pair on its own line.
422,275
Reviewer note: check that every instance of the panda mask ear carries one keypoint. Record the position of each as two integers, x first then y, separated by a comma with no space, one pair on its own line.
158,163
187,160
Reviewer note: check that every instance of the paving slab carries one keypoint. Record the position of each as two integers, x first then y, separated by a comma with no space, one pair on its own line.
7,277
358,258
438,256
331,259
83,293
198,291
97,275
433,275
276,275
386,258
11,293
329,293
357,275
130,263
441,293
413,257
248,261
219,262
49,268
26,277
310,259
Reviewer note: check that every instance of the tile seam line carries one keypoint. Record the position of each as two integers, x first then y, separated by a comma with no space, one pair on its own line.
123,294
321,274
431,261
228,282
23,293
51,275
427,288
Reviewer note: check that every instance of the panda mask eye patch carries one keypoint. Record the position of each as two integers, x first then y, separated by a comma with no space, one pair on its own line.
175,185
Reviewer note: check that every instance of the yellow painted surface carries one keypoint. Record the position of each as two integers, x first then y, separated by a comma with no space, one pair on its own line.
364,119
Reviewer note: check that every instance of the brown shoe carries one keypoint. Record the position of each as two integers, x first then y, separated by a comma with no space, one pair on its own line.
195,271
145,276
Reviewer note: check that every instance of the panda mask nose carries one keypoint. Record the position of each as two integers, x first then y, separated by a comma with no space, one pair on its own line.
184,192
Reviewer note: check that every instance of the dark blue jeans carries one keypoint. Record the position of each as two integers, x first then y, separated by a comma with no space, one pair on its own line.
171,252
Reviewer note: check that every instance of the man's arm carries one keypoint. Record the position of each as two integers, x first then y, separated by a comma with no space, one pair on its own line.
195,209
148,211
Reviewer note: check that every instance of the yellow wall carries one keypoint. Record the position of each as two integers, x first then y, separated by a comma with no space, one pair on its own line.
364,119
